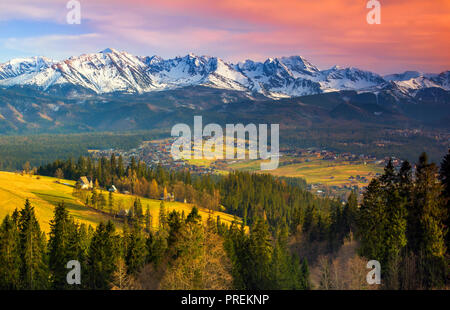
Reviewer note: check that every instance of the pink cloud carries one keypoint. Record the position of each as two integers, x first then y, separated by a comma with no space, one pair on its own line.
413,34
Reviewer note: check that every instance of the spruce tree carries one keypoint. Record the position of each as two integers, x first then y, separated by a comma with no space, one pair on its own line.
174,225
137,250
9,255
63,246
34,272
137,210
102,256
396,224
94,199
110,202
306,284
194,216
429,212
162,215
430,209
444,176
148,220
261,250
372,222
349,214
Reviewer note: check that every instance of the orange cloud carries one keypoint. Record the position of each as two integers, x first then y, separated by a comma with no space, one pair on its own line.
413,34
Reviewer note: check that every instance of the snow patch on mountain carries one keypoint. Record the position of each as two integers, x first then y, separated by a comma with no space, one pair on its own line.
12,70
414,80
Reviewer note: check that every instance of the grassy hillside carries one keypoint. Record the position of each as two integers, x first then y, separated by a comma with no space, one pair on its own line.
45,193
319,171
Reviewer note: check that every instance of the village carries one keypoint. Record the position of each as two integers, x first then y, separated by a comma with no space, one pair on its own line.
152,153
158,152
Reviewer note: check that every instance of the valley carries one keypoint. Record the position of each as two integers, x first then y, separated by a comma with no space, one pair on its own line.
106,118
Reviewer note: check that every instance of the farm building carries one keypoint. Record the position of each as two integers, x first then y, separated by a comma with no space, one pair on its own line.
112,189
85,183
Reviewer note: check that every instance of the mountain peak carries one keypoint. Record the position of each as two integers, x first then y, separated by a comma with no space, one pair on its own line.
299,64
108,50
336,67
405,76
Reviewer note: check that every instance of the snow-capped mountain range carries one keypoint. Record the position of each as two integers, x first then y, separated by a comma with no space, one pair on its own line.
113,71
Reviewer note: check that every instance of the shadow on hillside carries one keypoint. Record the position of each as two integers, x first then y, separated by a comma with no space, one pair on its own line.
55,199
71,205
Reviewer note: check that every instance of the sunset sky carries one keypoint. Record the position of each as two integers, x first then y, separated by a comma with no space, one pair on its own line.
413,34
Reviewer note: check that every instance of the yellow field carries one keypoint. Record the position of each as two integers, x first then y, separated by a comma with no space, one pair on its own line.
319,171
45,193
204,161
154,205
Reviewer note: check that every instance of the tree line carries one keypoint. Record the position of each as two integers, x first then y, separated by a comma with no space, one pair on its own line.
183,252
43,148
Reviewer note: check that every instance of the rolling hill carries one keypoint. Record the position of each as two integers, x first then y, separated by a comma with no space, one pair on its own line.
45,193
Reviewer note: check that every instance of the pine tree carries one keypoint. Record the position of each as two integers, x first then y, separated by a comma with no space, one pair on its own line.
395,236
389,177
285,271
102,256
157,245
63,246
194,216
148,220
405,181
444,176
94,199
260,255
34,273
162,215
350,214
396,223
120,167
372,222
110,202
137,209
102,201
306,284
428,215
430,209
113,165
9,255
174,225
136,251
383,222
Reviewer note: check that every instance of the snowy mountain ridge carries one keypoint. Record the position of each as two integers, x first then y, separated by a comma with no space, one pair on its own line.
113,71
